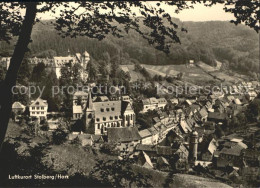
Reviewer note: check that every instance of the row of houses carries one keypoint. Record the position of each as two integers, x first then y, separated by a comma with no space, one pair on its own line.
38,108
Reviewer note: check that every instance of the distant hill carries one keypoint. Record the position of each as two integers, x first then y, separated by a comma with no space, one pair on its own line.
236,46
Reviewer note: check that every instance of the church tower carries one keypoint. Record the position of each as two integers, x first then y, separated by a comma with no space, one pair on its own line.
193,147
90,114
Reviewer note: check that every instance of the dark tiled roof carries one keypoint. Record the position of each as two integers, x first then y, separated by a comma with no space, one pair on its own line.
217,115
165,150
143,147
123,134
235,150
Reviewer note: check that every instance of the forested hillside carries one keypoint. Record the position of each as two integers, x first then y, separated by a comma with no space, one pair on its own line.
236,46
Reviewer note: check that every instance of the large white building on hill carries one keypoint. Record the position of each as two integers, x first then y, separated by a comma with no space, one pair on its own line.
57,62
60,61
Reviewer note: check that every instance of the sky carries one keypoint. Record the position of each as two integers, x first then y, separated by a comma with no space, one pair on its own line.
203,13
199,13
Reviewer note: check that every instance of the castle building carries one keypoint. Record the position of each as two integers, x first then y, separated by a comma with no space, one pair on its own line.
57,62
193,147
106,114
60,61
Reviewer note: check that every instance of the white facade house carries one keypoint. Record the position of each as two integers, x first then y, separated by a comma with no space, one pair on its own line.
38,109
146,136
153,104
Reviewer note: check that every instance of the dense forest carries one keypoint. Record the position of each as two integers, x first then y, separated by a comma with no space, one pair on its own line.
236,46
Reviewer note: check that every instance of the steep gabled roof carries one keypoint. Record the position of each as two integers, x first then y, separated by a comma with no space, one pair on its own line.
89,102
18,105
39,102
212,146
107,111
162,161
147,160
126,106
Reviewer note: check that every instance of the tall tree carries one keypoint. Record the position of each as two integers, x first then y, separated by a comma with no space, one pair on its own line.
38,73
96,21
24,73
92,69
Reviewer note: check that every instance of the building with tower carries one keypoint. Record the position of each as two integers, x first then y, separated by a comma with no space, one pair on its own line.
106,114
60,61
193,147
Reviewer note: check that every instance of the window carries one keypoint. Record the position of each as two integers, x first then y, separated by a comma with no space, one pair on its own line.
104,119
42,108
33,112
98,119
107,109
98,126
42,113
102,109
38,108
33,108
113,109
116,117
38,112
111,117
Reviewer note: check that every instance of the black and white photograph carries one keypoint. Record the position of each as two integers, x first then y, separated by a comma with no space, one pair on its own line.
130,93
